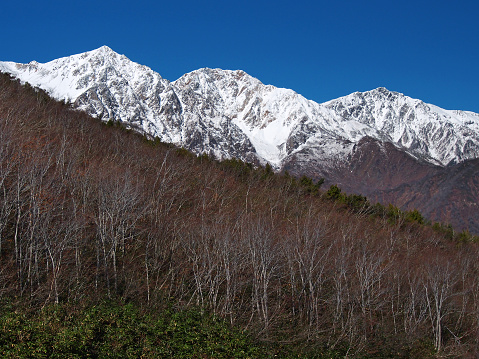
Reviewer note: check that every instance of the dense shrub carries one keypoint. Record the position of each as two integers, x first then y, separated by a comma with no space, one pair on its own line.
116,330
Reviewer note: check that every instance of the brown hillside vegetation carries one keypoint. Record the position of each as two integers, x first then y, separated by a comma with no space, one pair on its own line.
89,210
384,173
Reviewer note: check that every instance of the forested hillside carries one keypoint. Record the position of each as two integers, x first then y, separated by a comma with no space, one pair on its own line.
90,211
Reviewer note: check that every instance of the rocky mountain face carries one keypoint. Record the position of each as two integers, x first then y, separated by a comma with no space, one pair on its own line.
379,143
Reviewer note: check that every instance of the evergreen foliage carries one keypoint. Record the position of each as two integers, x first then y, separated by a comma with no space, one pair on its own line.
239,168
414,216
267,172
334,193
309,186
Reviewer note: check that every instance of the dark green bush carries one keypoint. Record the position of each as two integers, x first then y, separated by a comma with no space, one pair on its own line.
116,330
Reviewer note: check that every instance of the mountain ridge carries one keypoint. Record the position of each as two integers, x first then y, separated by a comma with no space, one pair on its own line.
276,122
228,113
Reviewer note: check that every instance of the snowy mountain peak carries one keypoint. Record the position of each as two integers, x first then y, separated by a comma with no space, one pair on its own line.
105,56
383,91
207,78
101,52
105,50
424,130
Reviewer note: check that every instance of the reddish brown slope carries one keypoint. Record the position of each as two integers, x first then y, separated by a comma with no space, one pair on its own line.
386,174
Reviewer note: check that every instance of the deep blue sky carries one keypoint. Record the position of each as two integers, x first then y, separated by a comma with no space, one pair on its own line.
320,49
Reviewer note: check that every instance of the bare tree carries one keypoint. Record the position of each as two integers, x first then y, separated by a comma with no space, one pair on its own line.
116,217
310,257
371,264
263,258
8,162
440,279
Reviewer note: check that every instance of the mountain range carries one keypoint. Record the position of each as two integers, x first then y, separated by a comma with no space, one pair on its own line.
378,143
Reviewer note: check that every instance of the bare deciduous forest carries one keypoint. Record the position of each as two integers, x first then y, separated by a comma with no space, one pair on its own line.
91,210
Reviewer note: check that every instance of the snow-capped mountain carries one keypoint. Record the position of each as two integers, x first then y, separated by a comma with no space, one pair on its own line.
379,143
422,129
231,114
103,83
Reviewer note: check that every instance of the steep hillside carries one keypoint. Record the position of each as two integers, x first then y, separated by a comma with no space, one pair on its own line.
91,211
385,174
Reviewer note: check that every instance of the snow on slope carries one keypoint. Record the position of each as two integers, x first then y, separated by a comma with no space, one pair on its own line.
67,78
101,82
422,129
265,114
231,114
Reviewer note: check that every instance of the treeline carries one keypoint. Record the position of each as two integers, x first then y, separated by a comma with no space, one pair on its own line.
360,204
88,211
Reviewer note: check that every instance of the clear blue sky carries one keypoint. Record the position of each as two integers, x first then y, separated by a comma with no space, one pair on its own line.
320,49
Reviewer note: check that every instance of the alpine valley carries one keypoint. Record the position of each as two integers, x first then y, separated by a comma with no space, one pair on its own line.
381,144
